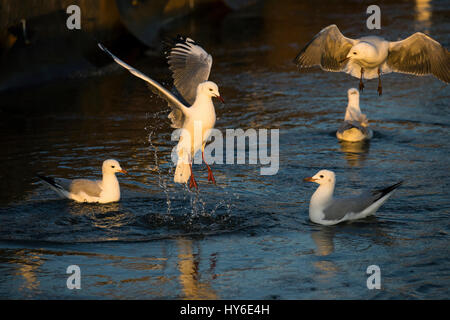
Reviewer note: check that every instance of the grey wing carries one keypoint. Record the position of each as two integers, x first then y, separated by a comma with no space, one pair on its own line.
340,207
419,54
347,125
327,49
89,187
180,109
190,65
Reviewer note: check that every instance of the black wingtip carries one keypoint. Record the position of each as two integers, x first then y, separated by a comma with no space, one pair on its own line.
46,179
385,191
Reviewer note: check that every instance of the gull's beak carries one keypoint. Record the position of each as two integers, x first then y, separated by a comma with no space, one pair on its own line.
310,179
123,171
346,58
220,98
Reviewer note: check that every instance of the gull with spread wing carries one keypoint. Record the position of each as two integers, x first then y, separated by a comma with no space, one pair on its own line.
190,65
369,57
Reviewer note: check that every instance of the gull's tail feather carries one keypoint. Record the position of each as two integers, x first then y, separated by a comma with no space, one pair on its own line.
182,172
183,169
54,185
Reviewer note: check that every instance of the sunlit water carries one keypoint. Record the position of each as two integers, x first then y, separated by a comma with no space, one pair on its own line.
249,236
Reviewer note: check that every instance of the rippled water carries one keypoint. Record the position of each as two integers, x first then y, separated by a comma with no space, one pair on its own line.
249,236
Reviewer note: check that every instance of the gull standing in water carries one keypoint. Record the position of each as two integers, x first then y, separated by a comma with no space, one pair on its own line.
190,65
326,210
369,57
83,190
356,125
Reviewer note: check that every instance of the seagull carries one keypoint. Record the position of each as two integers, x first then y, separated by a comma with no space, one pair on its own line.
356,125
326,210
190,65
369,57
83,190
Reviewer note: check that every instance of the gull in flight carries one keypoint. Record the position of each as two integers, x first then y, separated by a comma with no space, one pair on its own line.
83,190
326,210
190,65
369,57
356,125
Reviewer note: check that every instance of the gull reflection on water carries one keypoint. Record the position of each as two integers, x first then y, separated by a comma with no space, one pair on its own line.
423,15
323,239
194,288
355,152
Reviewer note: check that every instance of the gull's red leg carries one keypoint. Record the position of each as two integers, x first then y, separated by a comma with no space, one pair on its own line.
380,89
192,182
361,84
210,174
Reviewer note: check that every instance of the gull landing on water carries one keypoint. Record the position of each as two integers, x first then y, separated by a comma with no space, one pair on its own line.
83,190
190,65
356,125
326,210
369,57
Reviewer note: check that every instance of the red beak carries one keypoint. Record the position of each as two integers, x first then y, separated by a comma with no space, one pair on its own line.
221,99
123,171
309,179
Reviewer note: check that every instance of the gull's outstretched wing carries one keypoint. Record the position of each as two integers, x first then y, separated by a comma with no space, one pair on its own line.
179,109
190,65
338,208
419,54
327,49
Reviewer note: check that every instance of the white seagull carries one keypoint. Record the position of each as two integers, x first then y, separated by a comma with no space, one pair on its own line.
83,190
326,210
356,125
369,57
190,65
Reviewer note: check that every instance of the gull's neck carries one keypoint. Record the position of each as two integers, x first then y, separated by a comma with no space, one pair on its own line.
353,112
322,196
203,101
110,186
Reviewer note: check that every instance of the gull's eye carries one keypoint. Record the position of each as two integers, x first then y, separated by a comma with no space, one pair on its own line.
113,167
210,89
354,52
321,176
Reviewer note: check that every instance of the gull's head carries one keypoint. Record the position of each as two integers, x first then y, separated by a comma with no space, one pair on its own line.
353,96
209,89
323,177
361,51
353,93
112,166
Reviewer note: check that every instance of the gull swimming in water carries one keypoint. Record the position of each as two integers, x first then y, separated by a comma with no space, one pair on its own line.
190,65
369,57
83,190
356,125
326,210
